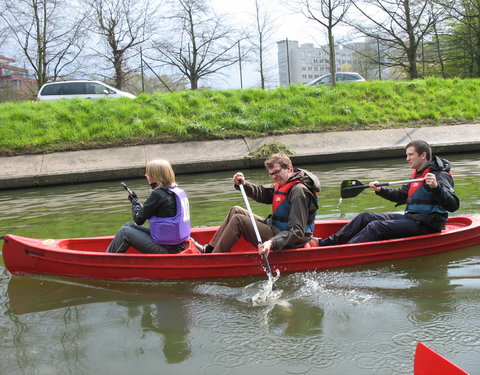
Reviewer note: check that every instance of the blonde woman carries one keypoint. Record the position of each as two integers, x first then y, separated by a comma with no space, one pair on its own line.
167,211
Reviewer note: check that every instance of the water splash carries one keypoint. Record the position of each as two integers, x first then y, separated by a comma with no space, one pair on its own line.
266,296
261,293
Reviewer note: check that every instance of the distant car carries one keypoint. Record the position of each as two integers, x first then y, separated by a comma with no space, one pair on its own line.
79,89
326,79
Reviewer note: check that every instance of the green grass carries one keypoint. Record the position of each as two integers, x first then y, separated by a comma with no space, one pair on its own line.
30,127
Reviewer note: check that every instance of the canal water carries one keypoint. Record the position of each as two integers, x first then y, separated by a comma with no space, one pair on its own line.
358,320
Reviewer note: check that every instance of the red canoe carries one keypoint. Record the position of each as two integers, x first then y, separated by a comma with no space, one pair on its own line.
85,257
429,362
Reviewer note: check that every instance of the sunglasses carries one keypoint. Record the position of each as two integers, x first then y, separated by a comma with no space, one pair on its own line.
275,172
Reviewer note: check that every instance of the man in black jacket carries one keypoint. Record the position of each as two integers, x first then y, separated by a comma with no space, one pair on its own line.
428,203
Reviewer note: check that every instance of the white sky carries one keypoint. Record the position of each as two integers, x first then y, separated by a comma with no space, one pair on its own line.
287,25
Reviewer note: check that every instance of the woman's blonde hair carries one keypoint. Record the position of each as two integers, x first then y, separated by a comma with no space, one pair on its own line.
161,172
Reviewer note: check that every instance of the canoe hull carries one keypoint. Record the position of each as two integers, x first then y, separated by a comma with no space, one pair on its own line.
85,257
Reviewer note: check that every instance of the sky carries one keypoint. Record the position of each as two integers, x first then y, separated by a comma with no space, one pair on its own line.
286,25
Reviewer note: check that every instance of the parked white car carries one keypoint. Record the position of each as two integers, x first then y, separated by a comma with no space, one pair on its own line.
85,89
326,79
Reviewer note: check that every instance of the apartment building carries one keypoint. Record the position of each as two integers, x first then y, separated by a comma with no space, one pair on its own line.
15,78
303,63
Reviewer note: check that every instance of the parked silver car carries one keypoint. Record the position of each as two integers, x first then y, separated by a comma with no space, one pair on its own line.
326,79
85,89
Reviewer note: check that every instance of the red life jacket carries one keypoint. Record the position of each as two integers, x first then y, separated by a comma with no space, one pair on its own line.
281,207
415,185
419,198
281,193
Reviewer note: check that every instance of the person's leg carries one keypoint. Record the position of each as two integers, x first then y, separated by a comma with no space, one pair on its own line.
236,225
120,242
136,236
388,229
355,226
233,211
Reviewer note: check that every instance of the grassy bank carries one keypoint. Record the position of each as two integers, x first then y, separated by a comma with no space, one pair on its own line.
197,115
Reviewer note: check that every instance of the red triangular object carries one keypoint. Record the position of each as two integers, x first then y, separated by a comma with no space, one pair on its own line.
429,362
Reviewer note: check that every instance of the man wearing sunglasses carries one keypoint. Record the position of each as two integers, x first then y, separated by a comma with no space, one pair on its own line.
293,196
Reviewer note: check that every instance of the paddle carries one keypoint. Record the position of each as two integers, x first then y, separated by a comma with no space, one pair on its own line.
126,188
257,233
351,188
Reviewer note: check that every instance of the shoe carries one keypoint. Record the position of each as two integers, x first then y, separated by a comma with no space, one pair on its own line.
199,247
204,249
326,242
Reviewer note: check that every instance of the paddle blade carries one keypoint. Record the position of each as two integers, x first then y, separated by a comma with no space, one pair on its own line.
351,188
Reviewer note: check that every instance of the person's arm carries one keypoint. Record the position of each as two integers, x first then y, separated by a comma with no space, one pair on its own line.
259,193
397,195
439,182
150,207
442,188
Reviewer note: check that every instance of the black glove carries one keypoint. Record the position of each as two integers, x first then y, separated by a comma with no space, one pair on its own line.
132,197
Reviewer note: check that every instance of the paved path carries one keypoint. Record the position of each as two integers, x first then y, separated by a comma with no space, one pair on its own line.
188,157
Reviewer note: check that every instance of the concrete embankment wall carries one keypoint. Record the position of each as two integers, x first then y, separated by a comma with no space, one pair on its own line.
203,156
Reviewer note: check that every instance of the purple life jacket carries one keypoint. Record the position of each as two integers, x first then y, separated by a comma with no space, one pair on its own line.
176,229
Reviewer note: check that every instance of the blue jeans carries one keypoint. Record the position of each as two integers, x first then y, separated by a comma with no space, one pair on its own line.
368,227
138,237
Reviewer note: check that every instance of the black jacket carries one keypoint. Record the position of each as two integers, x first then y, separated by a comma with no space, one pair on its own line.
160,203
444,195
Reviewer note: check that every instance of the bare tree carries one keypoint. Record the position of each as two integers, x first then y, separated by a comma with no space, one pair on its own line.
329,14
200,45
4,31
48,32
260,38
122,25
399,26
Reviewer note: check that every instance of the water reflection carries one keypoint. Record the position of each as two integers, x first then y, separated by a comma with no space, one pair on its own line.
166,318
28,295
297,318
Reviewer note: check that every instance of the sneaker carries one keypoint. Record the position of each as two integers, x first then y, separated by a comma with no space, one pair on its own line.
207,249
326,242
199,247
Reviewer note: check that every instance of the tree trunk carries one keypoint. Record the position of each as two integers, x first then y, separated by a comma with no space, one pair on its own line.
331,47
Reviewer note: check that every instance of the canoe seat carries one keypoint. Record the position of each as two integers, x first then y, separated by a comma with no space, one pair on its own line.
191,249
